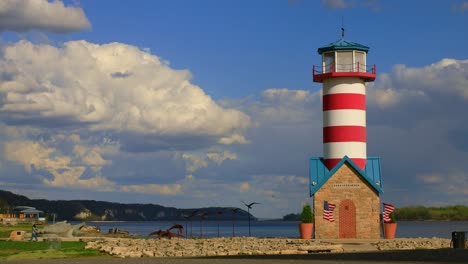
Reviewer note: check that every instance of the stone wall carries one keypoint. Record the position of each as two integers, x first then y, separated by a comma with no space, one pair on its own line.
136,248
210,247
346,184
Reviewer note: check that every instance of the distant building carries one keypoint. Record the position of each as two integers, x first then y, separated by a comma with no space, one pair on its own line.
21,214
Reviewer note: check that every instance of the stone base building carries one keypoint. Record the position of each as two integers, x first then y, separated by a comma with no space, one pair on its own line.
354,194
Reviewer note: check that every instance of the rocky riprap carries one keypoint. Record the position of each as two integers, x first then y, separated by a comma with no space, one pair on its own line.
413,243
136,248
210,247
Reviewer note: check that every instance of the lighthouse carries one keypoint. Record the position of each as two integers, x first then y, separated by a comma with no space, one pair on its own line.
345,183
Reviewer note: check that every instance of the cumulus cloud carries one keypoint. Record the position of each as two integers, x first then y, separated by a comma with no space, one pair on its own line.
334,4
285,95
232,139
194,162
373,5
58,169
285,105
112,87
92,156
431,178
244,187
54,16
38,157
446,77
460,7
219,158
199,160
454,182
154,189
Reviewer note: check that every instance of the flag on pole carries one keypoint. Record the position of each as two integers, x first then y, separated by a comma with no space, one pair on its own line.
328,211
387,210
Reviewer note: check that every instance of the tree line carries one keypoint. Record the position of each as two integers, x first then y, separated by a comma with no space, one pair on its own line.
447,213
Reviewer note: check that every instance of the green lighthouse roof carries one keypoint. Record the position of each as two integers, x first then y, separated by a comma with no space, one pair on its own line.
342,44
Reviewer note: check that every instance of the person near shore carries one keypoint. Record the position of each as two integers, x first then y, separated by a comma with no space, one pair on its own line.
34,233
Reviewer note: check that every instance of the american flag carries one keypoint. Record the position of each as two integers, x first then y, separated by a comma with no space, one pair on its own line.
388,209
328,211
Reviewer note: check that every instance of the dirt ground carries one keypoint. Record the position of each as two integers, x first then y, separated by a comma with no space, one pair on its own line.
400,257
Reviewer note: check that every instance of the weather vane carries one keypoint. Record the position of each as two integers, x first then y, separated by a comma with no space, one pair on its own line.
342,27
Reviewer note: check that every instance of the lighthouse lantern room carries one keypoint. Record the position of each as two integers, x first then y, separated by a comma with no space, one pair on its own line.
345,183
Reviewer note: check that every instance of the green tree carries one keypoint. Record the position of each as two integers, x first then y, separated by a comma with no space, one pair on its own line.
306,215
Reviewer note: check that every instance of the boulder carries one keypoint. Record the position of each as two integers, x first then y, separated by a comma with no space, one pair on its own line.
61,229
17,235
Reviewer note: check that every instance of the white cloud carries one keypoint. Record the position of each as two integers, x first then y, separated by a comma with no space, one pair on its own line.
244,187
194,162
334,4
92,156
461,7
27,15
446,77
80,87
46,159
286,95
232,139
454,182
31,154
154,189
285,106
198,160
373,5
219,158
431,178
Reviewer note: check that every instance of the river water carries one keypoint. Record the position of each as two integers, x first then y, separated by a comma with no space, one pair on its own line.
410,229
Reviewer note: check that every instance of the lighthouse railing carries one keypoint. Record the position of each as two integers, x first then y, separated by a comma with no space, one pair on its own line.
352,67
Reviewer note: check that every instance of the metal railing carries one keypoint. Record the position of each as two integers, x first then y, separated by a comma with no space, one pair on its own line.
352,67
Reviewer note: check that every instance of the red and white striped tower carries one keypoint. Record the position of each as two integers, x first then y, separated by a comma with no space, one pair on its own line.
344,74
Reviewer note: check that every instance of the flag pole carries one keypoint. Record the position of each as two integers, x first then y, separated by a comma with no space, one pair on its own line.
382,224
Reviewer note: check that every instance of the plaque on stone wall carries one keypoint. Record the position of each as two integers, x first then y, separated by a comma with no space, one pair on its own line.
346,186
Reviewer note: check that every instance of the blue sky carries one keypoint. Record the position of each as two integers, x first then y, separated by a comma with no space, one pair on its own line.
206,103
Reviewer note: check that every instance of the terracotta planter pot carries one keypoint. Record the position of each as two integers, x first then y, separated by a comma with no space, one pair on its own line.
305,230
390,230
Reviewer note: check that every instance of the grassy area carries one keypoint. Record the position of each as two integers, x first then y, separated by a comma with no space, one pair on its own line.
10,250
5,230
14,250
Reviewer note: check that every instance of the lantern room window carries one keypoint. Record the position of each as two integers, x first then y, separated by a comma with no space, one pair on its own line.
360,59
344,61
328,62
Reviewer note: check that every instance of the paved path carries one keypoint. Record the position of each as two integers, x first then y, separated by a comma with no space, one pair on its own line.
394,257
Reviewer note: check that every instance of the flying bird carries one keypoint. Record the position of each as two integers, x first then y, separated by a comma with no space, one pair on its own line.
250,205
192,214
203,215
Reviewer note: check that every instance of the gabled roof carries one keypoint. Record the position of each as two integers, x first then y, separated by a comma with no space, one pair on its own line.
342,44
319,174
31,211
27,210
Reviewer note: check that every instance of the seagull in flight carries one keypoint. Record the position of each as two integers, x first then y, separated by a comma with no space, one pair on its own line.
250,205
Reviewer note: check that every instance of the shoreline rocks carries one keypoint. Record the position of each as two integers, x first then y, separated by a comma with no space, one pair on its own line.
131,248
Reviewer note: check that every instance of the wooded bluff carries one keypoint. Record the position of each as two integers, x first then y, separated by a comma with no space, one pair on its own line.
90,210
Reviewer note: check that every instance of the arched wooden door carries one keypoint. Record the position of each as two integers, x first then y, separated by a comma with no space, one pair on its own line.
347,219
